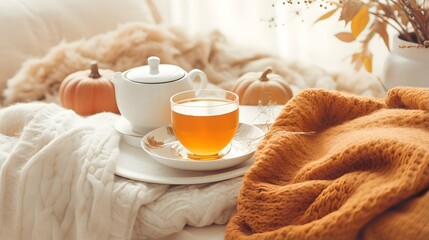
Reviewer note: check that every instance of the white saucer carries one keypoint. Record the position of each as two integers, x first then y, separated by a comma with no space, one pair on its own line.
162,145
136,164
129,136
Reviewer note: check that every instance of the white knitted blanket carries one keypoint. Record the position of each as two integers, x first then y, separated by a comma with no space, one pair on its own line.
57,182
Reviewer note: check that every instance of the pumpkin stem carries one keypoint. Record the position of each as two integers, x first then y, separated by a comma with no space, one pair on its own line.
264,77
94,70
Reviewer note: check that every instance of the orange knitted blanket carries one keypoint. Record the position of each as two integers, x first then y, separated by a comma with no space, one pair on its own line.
364,173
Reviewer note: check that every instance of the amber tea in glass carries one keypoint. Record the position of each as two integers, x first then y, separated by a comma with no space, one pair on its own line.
204,121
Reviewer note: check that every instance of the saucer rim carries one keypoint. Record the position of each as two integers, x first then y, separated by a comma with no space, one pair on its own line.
200,162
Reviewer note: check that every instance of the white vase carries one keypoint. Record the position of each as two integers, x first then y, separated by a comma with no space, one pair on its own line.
406,65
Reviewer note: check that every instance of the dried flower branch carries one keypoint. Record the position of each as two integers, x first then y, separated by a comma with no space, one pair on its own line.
369,18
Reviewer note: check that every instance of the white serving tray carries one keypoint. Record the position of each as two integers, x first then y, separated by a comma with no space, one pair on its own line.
134,163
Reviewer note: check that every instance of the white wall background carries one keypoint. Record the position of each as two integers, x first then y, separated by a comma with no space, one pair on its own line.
246,23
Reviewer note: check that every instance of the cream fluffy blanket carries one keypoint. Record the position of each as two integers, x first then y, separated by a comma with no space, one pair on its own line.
57,182
131,44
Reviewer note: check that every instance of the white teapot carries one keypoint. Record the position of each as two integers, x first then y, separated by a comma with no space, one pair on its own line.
143,93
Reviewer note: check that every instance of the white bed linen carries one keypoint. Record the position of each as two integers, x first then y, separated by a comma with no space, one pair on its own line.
212,232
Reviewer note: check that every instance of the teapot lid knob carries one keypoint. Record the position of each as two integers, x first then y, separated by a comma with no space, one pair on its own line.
154,72
153,64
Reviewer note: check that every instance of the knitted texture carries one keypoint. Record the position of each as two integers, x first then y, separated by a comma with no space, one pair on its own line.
364,173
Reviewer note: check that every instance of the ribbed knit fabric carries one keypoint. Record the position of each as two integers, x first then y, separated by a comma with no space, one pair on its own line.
363,174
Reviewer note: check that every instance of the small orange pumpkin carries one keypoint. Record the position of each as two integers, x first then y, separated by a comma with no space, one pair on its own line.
256,88
90,91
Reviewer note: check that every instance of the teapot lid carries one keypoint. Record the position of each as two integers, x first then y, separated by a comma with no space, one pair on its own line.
155,72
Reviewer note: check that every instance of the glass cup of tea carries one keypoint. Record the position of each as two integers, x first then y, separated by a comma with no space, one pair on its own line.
205,121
